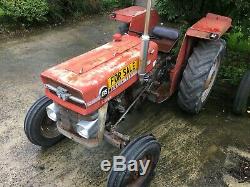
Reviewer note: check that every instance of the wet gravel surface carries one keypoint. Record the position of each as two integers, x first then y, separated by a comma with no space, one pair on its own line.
196,150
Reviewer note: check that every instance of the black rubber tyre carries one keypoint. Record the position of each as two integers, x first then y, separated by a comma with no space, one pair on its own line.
139,149
39,129
241,100
200,74
123,28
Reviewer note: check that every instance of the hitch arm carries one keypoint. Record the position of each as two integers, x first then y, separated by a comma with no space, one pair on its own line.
114,127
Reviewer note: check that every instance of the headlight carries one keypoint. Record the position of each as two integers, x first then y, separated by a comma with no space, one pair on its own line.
86,129
52,112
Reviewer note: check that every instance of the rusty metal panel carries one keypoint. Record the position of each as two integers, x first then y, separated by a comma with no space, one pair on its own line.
135,15
138,22
126,15
89,73
212,23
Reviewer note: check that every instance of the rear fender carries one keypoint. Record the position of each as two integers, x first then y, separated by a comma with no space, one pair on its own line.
211,27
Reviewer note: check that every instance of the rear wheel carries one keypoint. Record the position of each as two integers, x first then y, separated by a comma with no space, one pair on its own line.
39,129
242,99
144,148
200,75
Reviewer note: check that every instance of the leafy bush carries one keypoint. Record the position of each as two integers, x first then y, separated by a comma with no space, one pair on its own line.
25,10
193,10
168,9
54,10
60,9
1,12
109,4
112,4
237,58
182,29
238,41
234,67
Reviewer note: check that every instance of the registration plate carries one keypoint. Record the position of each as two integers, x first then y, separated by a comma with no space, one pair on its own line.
123,75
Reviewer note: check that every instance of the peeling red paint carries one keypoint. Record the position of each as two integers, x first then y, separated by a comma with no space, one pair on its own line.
86,74
97,67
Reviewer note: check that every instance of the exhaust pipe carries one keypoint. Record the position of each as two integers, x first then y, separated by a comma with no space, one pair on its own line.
145,44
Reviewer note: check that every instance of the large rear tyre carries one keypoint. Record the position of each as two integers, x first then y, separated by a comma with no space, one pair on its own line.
39,129
199,75
243,94
143,148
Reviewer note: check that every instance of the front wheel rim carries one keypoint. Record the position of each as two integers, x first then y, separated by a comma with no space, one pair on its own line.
49,128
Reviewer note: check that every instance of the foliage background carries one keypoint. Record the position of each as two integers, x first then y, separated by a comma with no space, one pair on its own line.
34,11
29,10
238,40
183,13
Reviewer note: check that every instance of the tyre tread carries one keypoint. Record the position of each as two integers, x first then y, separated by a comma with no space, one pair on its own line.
196,73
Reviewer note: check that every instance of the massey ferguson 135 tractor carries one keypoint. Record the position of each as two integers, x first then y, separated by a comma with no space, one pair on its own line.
88,96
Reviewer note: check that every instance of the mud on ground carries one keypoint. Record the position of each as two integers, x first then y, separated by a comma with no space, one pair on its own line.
203,150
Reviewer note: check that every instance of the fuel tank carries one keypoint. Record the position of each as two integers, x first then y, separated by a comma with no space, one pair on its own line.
85,83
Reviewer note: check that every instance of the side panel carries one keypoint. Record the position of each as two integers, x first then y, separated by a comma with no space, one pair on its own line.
125,15
135,16
138,22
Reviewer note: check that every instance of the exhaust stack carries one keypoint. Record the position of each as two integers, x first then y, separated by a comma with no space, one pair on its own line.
145,44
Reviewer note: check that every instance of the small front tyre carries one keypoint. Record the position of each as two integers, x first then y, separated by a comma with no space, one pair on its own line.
144,149
39,129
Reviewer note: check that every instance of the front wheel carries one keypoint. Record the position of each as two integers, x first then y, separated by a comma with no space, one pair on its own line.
39,129
144,149
200,75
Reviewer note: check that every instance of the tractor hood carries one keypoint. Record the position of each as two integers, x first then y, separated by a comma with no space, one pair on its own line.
111,52
95,76
84,76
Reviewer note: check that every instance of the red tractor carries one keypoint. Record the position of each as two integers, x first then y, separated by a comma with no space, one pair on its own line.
88,96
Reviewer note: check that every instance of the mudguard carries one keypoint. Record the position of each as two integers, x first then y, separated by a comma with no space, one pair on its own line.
211,27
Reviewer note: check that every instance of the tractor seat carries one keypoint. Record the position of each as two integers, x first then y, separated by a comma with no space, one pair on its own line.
166,33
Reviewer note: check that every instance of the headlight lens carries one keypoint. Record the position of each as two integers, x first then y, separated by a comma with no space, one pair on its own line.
52,112
86,129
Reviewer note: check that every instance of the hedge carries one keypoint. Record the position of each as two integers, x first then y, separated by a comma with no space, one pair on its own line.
30,11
